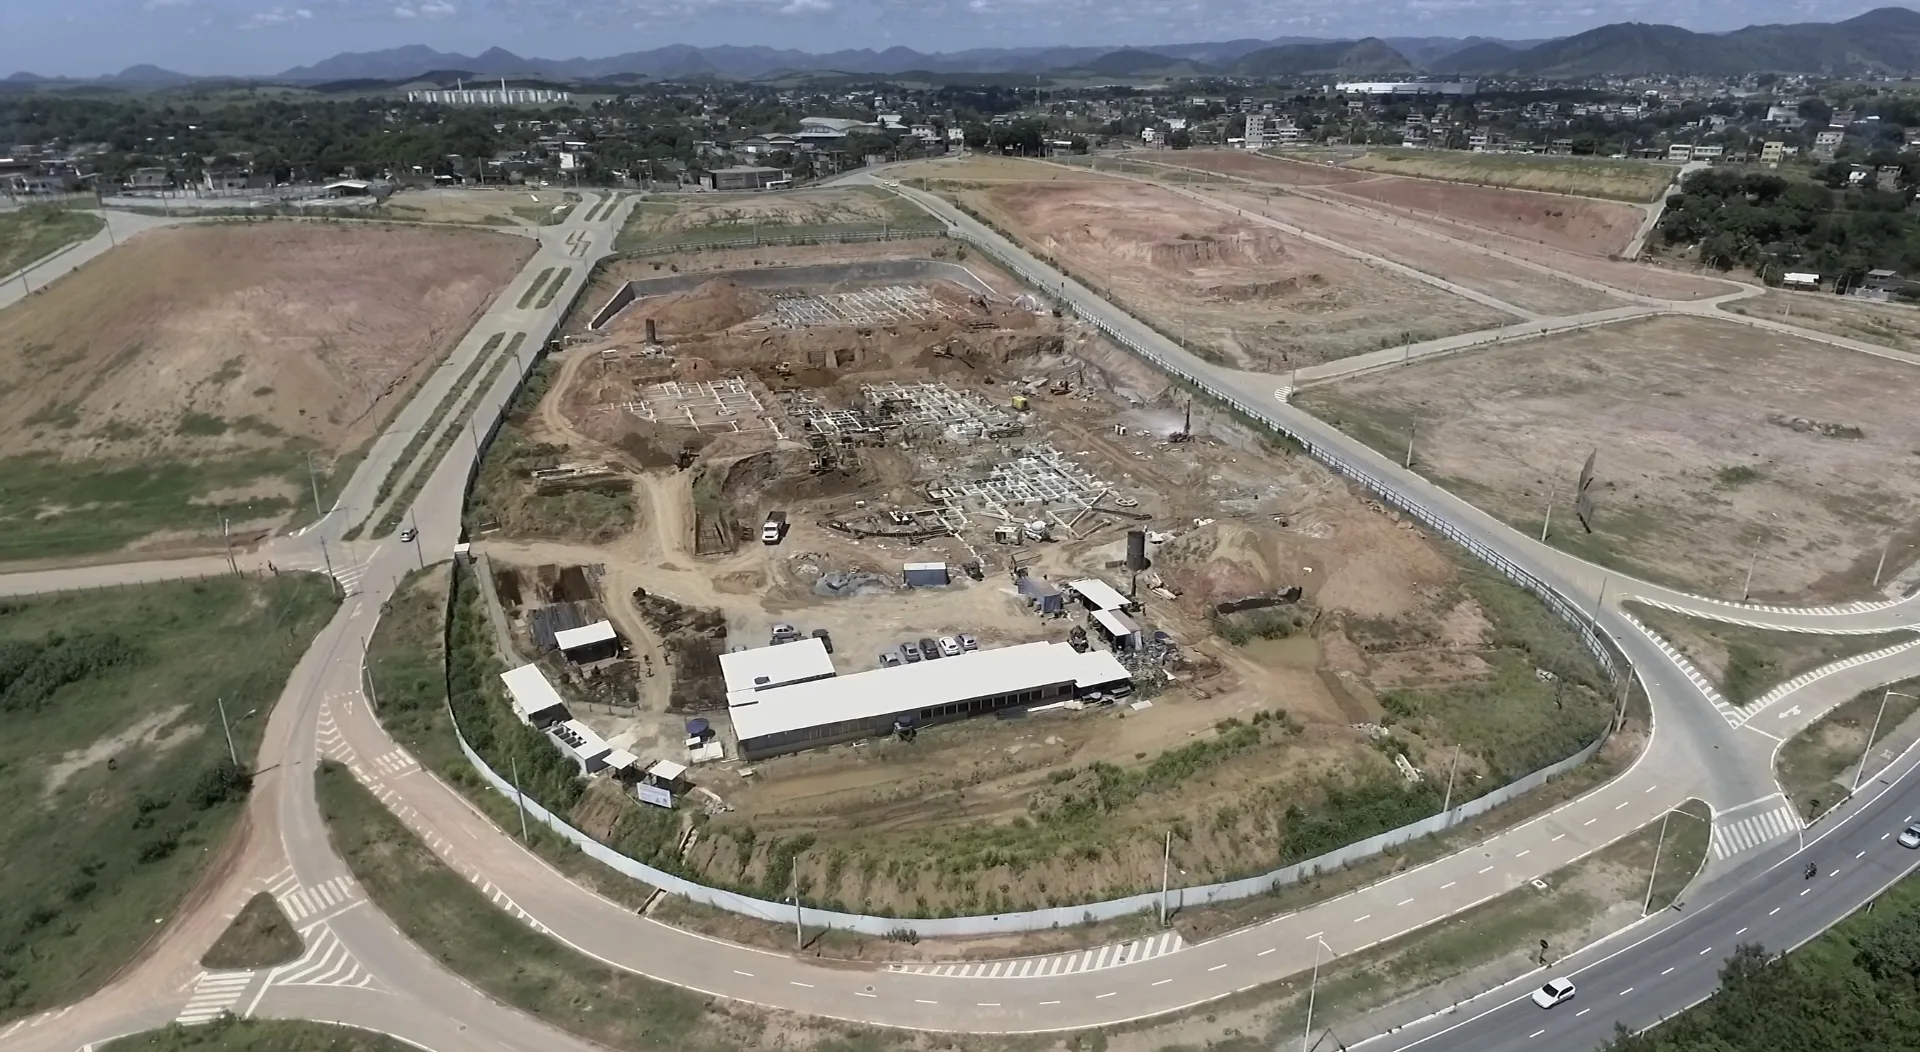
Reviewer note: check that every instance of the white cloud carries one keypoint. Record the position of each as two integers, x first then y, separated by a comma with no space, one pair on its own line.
276,16
404,12
438,9
805,7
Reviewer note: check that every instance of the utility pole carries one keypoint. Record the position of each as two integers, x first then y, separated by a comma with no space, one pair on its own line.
413,523
314,481
799,932
1647,906
1882,565
1412,429
373,695
1446,803
1871,735
227,540
1548,521
232,753
1166,868
1746,590
1313,987
519,798
328,559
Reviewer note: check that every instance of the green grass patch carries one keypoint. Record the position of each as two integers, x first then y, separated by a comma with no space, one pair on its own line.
260,936
116,764
533,290
424,470
1744,662
412,450
1737,475
258,1035
53,508
1810,761
35,230
554,287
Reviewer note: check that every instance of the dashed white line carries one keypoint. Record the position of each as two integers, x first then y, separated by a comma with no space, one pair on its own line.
1773,911
1448,884
1589,821
1581,1012
1403,902
1216,967
1803,891
863,993
1524,854
1361,917
924,1001
796,982
1489,868
1862,854
1704,951
1264,952
1535,1034
1559,838
1109,993
1621,804
1648,789
1049,1002
1627,991
1668,970
986,1004
1739,933
1314,936
1163,982
737,971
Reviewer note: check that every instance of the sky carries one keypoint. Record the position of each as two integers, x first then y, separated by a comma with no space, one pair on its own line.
255,37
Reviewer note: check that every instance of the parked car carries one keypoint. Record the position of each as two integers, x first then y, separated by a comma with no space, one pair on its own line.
929,648
784,633
825,639
1910,837
910,650
949,647
889,658
407,535
1557,991
967,642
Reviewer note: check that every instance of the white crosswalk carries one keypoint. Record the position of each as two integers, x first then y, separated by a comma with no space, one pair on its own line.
1712,610
1735,715
214,995
32,1021
326,963
1824,671
1058,964
395,763
1748,833
303,902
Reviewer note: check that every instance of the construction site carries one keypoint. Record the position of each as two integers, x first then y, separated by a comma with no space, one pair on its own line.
908,477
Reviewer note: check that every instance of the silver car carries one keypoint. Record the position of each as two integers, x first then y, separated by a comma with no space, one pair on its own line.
1910,837
949,647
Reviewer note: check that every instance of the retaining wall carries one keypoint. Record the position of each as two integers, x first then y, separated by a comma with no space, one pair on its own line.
831,275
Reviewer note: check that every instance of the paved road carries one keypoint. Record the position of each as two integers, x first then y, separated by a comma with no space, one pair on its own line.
37,275
1695,751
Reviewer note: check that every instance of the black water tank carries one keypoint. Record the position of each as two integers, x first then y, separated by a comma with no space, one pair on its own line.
1136,549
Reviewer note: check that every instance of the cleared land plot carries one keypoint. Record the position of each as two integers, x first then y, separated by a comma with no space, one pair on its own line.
1402,242
1811,761
1237,292
1590,176
697,219
986,168
502,207
1575,224
1261,167
1714,438
1887,324
1745,662
29,233
189,374
115,762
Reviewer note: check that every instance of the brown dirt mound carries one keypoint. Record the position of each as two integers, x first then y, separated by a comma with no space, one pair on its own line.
719,304
1260,290
1209,249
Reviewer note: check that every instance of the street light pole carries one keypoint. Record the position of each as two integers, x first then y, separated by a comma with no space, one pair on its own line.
1548,521
1647,906
1166,867
1446,804
799,933
232,753
314,481
1313,987
1871,735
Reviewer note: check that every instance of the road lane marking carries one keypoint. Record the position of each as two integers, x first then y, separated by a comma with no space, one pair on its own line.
1704,951
1264,952
737,971
796,982
1109,993
1485,870
1773,911
1164,982
1049,1002
1524,854
1581,1012
1403,902
1668,970
1361,917
1627,991
863,993
1862,854
1314,936
986,1004
1589,821
1739,933
1649,789
1559,838
1448,884
1803,891
924,1001
1216,967
1621,804
1535,1034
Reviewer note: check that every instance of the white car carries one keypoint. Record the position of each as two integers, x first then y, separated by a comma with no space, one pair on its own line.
1556,991
1910,837
949,647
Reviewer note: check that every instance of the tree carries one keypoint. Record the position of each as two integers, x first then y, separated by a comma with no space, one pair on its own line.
1179,138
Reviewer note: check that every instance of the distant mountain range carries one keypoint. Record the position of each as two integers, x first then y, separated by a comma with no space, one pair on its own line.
1886,40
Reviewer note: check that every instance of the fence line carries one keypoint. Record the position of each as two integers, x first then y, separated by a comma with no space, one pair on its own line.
1064,916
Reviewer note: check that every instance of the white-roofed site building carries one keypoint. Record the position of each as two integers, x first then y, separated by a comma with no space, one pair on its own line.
766,668
804,714
588,643
1099,595
534,699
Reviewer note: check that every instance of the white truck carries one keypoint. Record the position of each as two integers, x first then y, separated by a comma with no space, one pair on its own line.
774,528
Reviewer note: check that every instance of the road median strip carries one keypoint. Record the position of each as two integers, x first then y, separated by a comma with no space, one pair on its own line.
406,458
423,470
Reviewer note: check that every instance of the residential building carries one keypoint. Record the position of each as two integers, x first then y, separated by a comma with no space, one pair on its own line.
1887,178
1709,152
1826,144
1680,151
1265,130
1773,152
500,96
745,177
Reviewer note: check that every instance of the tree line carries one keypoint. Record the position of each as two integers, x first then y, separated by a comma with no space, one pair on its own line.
1767,222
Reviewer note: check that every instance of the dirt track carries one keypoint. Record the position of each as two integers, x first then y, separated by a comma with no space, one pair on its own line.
1251,296
1709,445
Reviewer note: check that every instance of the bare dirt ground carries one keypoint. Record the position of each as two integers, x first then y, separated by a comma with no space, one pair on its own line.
986,168
722,216
504,206
936,824
1262,167
1591,176
1245,294
1575,224
1403,241
1893,325
1714,439
282,331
